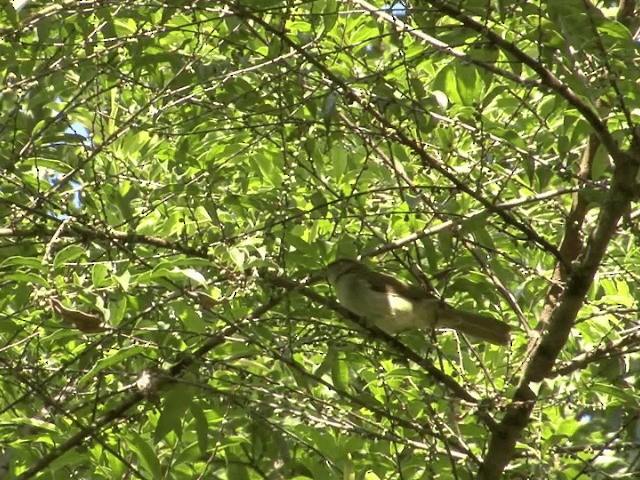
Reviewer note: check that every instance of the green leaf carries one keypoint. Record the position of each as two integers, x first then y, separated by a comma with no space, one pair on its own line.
117,310
329,107
267,166
594,195
10,13
202,426
176,402
327,362
340,373
124,280
338,162
194,275
28,278
68,254
468,84
236,468
330,14
447,82
30,262
601,164
100,275
146,455
614,30
238,257
190,318
621,395
111,359
567,427
474,223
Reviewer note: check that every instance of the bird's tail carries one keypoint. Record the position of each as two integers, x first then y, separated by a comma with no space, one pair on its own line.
477,325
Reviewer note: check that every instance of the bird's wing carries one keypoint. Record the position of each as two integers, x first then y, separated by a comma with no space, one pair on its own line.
381,282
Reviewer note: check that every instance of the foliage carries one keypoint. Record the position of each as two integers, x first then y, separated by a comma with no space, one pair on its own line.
175,175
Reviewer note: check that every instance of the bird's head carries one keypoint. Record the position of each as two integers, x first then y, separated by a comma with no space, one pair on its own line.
338,268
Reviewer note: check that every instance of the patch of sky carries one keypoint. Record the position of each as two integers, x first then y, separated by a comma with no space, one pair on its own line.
397,9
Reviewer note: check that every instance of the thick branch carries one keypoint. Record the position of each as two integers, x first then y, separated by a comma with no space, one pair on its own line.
571,246
502,445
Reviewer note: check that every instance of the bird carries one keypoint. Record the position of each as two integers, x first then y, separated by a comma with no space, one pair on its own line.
396,306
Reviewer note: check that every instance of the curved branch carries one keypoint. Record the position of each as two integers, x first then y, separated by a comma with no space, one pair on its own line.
571,246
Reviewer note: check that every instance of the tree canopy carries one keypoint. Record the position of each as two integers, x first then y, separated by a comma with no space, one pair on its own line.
175,176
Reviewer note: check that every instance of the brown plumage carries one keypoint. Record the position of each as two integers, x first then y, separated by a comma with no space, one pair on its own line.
396,306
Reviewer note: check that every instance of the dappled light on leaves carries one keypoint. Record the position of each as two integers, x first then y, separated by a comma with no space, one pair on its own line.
176,177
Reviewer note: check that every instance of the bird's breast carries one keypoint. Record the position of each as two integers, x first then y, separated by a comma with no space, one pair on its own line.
387,310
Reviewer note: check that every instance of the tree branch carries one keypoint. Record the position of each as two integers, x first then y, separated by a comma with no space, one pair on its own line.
161,380
398,134
439,45
437,374
611,350
547,78
503,441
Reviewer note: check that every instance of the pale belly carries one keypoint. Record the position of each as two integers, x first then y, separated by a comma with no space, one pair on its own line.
391,313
